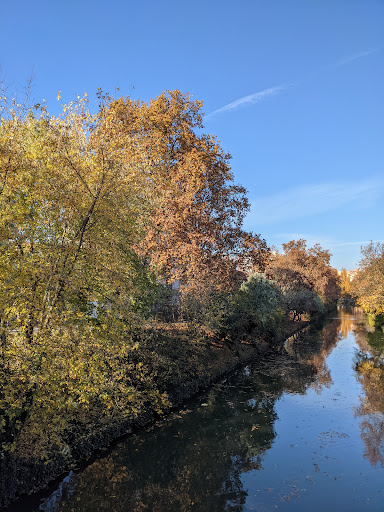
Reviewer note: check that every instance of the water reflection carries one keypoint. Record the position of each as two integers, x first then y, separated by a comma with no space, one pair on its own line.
199,458
369,362
314,352
196,459
370,371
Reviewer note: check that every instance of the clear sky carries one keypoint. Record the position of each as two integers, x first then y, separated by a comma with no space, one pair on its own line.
292,89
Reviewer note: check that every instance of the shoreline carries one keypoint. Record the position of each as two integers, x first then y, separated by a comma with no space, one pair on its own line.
20,478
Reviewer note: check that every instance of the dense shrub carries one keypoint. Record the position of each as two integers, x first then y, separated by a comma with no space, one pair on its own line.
256,306
303,301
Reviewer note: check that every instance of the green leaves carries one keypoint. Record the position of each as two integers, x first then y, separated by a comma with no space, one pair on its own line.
257,306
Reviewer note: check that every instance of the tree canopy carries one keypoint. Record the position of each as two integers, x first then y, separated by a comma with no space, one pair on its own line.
194,228
368,285
305,277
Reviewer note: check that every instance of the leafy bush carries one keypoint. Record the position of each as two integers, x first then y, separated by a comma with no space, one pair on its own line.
209,311
256,306
303,301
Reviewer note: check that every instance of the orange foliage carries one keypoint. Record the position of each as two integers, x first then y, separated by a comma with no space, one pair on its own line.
301,267
194,232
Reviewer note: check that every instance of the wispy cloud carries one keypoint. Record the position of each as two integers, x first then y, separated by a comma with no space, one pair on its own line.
342,244
356,56
273,91
248,100
309,200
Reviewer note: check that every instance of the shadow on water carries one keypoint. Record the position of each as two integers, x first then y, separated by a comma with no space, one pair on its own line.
197,458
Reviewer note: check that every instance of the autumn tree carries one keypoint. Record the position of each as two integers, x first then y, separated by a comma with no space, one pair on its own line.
71,281
304,275
71,213
97,211
345,284
194,230
368,285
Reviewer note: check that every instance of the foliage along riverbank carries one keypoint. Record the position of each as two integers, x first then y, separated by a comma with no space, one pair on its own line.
367,286
126,275
181,367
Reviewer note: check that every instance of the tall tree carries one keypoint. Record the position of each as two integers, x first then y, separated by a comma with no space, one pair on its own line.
345,283
71,215
304,275
368,285
71,281
195,229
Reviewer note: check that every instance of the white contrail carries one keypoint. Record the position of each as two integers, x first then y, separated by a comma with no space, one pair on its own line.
356,56
251,98
272,91
306,200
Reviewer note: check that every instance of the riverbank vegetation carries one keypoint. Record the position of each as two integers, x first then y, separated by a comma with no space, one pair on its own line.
370,368
125,274
368,285
368,290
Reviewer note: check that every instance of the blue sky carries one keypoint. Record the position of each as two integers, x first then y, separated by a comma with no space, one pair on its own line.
293,90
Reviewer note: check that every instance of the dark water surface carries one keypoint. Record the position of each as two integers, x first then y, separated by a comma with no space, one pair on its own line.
301,430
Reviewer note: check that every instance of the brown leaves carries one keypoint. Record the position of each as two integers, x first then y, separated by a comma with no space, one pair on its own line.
301,268
194,230
368,285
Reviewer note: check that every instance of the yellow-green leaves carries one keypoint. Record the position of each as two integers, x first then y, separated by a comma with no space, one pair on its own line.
71,214
368,285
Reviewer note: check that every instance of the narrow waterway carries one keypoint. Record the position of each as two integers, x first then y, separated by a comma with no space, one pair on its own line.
301,430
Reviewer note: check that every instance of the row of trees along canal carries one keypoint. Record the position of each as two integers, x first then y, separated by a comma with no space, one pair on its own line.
100,214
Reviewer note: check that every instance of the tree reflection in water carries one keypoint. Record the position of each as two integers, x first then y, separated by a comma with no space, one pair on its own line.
370,372
370,368
195,459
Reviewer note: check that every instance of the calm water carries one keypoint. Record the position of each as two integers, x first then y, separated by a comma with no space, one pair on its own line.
301,430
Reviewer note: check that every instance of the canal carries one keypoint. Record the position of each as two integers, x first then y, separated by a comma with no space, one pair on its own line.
299,430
